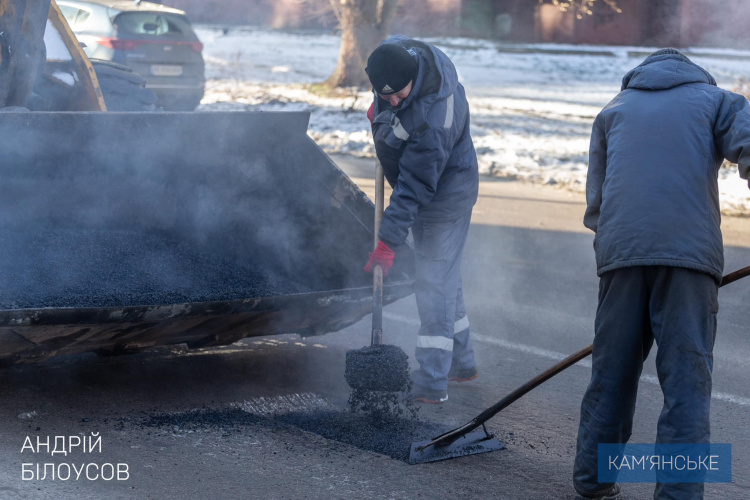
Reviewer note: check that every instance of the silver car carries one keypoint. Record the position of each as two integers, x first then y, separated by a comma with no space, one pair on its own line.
157,42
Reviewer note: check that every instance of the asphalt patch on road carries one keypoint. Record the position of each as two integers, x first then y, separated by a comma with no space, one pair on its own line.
225,419
383,434
51,267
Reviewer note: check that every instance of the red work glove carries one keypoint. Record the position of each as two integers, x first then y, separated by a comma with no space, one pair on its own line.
382,256
371,113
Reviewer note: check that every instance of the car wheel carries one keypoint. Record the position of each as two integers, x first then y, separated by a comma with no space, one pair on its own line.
184,103
123,89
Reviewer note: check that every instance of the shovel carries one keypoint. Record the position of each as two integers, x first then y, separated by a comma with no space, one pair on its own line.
376,368
462,441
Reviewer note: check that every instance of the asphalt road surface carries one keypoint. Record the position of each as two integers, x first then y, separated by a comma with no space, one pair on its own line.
530,287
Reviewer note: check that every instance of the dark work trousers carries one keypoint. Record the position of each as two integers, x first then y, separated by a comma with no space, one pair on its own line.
444,335
677,307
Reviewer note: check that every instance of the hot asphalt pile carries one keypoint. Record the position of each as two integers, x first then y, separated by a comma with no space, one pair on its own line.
380,381
96,268
377,368
386,435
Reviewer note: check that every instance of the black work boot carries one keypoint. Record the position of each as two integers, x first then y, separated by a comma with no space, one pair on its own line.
428,396
463,375
611,493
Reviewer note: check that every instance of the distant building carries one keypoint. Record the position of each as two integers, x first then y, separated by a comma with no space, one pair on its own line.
679,23
428,18
415,17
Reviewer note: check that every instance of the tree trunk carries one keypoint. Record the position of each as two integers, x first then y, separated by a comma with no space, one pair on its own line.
364,24
22,50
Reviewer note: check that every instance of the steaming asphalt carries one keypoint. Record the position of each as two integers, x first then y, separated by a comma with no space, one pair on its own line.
383,367
530,286
95,268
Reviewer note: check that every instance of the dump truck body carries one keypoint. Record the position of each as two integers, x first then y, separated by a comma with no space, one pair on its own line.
121,231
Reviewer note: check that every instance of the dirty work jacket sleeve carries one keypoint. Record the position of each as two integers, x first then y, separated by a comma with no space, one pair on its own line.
595,176
732,131
420,167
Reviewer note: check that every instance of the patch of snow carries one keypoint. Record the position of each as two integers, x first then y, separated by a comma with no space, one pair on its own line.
532,105
54,45
66,78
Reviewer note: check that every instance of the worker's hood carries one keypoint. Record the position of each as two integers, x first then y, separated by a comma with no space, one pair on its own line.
665,69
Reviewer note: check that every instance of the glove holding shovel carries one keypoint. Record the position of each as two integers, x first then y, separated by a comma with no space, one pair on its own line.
382,256
378,367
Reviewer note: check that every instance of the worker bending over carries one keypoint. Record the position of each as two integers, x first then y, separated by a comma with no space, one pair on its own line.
420,124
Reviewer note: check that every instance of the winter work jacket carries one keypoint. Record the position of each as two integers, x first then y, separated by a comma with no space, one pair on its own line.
652,194
425,147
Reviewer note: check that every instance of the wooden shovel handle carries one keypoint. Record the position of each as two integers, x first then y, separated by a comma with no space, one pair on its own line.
493,410
377,274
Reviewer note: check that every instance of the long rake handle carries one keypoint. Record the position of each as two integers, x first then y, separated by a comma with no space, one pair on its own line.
493,410
377,273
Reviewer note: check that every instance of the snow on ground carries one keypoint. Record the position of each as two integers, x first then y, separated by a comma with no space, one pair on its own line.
532,106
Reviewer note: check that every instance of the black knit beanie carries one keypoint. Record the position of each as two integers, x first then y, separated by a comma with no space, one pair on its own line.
667,51
391,68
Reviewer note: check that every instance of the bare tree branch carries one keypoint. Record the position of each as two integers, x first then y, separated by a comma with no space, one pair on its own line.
336,7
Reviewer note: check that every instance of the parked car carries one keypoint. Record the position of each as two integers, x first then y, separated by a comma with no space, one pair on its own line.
157,42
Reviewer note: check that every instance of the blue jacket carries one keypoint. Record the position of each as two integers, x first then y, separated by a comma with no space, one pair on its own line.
652,194
425,147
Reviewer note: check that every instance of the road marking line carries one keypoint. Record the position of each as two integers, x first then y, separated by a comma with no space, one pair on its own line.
527,349
402,319
558,356
731,398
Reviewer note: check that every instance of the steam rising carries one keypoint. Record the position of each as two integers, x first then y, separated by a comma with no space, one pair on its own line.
172,190
116,209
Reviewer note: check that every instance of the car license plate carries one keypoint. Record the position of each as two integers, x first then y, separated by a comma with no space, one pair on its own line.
166,70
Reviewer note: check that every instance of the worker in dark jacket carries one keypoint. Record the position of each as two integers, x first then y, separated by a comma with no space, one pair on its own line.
420,123
653,202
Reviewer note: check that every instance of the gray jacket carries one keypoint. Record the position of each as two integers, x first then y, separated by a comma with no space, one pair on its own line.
424,146
652,194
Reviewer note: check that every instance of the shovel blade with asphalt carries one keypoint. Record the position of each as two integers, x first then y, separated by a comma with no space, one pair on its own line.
462,441
471,443
378,367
